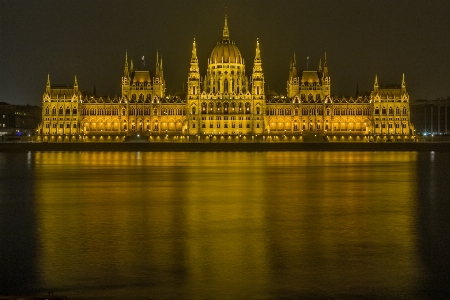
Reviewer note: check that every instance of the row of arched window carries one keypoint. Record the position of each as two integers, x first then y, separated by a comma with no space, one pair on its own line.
232,108
61,111
320,111
390,111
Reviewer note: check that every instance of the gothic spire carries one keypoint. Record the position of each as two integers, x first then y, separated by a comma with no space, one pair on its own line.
403,80
126,71
157,64
294,67
325,66
48,86
194,50
226,33
258,53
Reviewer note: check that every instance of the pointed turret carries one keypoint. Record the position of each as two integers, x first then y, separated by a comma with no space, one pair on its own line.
293,82
48,85
161,73
325,67
75,85
294,67
403,84
375,85
158,80
258,75
226,33
157,65
194,73
320,65
126,72
258,52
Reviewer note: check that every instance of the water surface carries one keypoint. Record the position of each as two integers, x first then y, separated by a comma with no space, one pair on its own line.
225,225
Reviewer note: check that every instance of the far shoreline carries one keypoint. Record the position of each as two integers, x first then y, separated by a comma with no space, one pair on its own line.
224,147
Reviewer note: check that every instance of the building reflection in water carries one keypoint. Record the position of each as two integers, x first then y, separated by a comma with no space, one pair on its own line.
235,225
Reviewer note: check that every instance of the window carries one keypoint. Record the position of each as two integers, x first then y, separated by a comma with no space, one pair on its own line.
218,125
68,125
61,125
74,125
211,125
248,125
257,125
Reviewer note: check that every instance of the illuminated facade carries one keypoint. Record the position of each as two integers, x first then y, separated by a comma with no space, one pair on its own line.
226,105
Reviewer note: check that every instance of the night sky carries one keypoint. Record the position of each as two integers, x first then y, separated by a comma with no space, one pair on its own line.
89,39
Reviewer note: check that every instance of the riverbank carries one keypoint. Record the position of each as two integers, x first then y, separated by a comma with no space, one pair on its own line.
217,147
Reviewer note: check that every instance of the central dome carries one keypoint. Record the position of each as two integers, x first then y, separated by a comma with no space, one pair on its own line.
226,51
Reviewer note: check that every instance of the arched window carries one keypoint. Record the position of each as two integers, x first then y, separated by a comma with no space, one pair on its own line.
258,110
193,110
47,110
61,111
54,110
225,86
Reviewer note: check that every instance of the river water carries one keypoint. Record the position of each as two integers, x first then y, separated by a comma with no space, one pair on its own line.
225,225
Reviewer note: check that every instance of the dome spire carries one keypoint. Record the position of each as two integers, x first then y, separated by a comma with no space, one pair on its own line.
194,50
226,33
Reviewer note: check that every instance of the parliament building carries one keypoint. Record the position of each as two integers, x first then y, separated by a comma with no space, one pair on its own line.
226,105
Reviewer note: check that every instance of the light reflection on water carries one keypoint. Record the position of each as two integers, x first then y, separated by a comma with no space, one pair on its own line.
226,225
